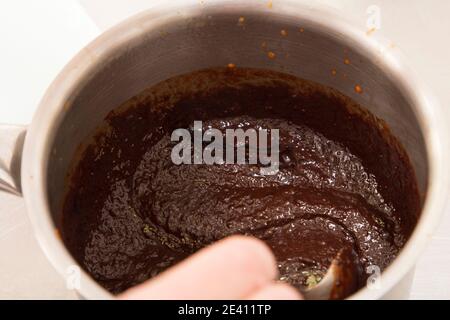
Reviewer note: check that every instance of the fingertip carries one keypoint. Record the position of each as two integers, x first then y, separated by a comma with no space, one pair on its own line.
231,268
254,255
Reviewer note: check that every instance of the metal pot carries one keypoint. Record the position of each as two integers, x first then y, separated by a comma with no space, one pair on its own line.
182,36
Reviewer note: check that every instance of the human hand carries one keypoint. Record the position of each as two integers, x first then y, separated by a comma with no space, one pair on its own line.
237,267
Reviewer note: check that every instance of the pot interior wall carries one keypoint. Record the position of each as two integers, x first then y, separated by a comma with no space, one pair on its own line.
176,46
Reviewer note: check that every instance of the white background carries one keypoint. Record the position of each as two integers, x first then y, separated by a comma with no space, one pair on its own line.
37,38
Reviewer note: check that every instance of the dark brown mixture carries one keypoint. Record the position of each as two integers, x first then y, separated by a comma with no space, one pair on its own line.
344,187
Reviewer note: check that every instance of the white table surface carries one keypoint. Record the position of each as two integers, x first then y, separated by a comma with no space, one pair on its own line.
39,37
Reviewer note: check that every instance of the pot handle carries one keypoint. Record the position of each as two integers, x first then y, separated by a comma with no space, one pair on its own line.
12,138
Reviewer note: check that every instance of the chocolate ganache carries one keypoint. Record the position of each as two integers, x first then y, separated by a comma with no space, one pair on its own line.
344,188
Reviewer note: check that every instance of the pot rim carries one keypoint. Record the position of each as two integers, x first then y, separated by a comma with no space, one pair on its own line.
52,108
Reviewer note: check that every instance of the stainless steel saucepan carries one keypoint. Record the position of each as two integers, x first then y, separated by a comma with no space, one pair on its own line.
177,37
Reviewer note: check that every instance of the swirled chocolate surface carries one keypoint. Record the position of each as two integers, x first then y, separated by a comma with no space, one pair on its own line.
344,188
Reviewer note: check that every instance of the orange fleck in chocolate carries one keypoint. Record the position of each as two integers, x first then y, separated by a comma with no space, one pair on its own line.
241,21
284,33
271,55
358,89
231,65
301,30
346,61
370,31
333,72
